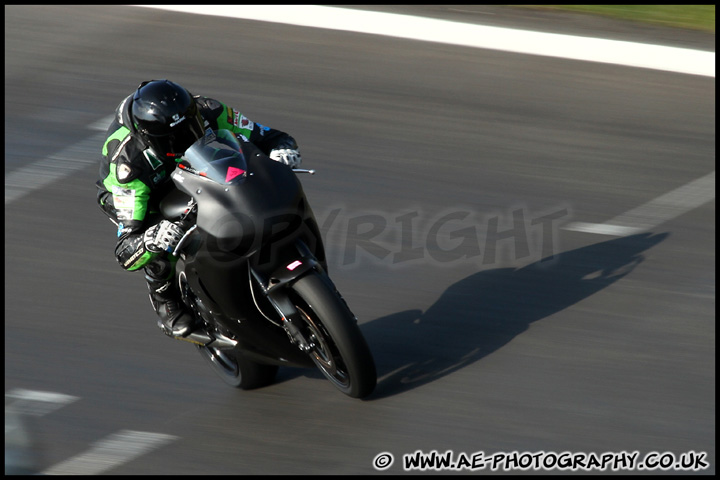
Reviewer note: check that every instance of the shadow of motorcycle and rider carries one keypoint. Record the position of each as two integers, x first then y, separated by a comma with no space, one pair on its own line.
483,312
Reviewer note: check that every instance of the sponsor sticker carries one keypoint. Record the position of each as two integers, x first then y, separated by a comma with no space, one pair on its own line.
242,121
176,119
124,201
134,257
152,160
124,214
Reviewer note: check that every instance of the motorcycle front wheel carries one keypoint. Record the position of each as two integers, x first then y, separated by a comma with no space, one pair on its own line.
339,349
237,371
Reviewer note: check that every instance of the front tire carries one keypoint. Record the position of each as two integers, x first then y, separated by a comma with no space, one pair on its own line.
339,348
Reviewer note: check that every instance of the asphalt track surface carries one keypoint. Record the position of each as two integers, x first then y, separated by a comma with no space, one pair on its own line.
535,340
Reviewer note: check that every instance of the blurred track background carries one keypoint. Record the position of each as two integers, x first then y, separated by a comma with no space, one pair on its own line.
607,346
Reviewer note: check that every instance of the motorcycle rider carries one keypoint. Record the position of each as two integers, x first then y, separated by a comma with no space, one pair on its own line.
151,130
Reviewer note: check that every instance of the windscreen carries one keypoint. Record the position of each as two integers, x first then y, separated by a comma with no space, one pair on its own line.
218,157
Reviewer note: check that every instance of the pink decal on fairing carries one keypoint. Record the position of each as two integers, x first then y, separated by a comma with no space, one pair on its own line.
294,265
232,173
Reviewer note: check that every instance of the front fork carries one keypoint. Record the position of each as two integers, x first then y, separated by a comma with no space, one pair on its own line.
275,288
290,321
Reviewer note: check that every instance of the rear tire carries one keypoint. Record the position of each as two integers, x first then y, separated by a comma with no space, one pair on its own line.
237,371
229,364
340,350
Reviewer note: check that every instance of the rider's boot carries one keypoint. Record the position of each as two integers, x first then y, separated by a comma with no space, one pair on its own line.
176,320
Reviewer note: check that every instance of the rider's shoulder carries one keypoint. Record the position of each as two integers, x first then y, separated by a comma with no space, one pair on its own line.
208,103
122,113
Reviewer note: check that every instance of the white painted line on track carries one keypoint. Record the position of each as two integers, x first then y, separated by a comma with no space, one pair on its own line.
35,402
106,454
111,452
102,124
19,183
655,212
658,57
22,181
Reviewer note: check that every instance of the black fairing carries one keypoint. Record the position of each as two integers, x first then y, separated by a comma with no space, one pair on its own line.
255,220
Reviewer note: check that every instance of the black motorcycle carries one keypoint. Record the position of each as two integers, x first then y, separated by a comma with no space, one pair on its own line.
252,269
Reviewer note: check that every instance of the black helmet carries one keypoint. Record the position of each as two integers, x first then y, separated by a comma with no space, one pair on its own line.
166,117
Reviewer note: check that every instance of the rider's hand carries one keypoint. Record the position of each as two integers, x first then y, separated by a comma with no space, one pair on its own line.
163,237
288,156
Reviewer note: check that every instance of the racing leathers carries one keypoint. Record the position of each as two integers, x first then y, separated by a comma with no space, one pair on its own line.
133,180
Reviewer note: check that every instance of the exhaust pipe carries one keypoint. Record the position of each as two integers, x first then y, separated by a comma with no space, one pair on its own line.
204,339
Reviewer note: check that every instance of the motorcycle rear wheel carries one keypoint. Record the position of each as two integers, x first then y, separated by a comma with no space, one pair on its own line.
237,371
339,348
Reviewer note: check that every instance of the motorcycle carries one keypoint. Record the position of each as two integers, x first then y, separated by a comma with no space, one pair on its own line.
252,269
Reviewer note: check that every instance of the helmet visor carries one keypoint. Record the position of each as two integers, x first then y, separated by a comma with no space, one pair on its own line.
183,132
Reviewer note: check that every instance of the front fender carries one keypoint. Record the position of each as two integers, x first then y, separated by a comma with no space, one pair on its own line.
285,274
290,267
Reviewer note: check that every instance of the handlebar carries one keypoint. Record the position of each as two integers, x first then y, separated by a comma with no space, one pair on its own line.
187,224
179,246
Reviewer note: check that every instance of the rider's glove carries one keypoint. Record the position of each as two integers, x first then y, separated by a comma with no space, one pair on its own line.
162,237
288,156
